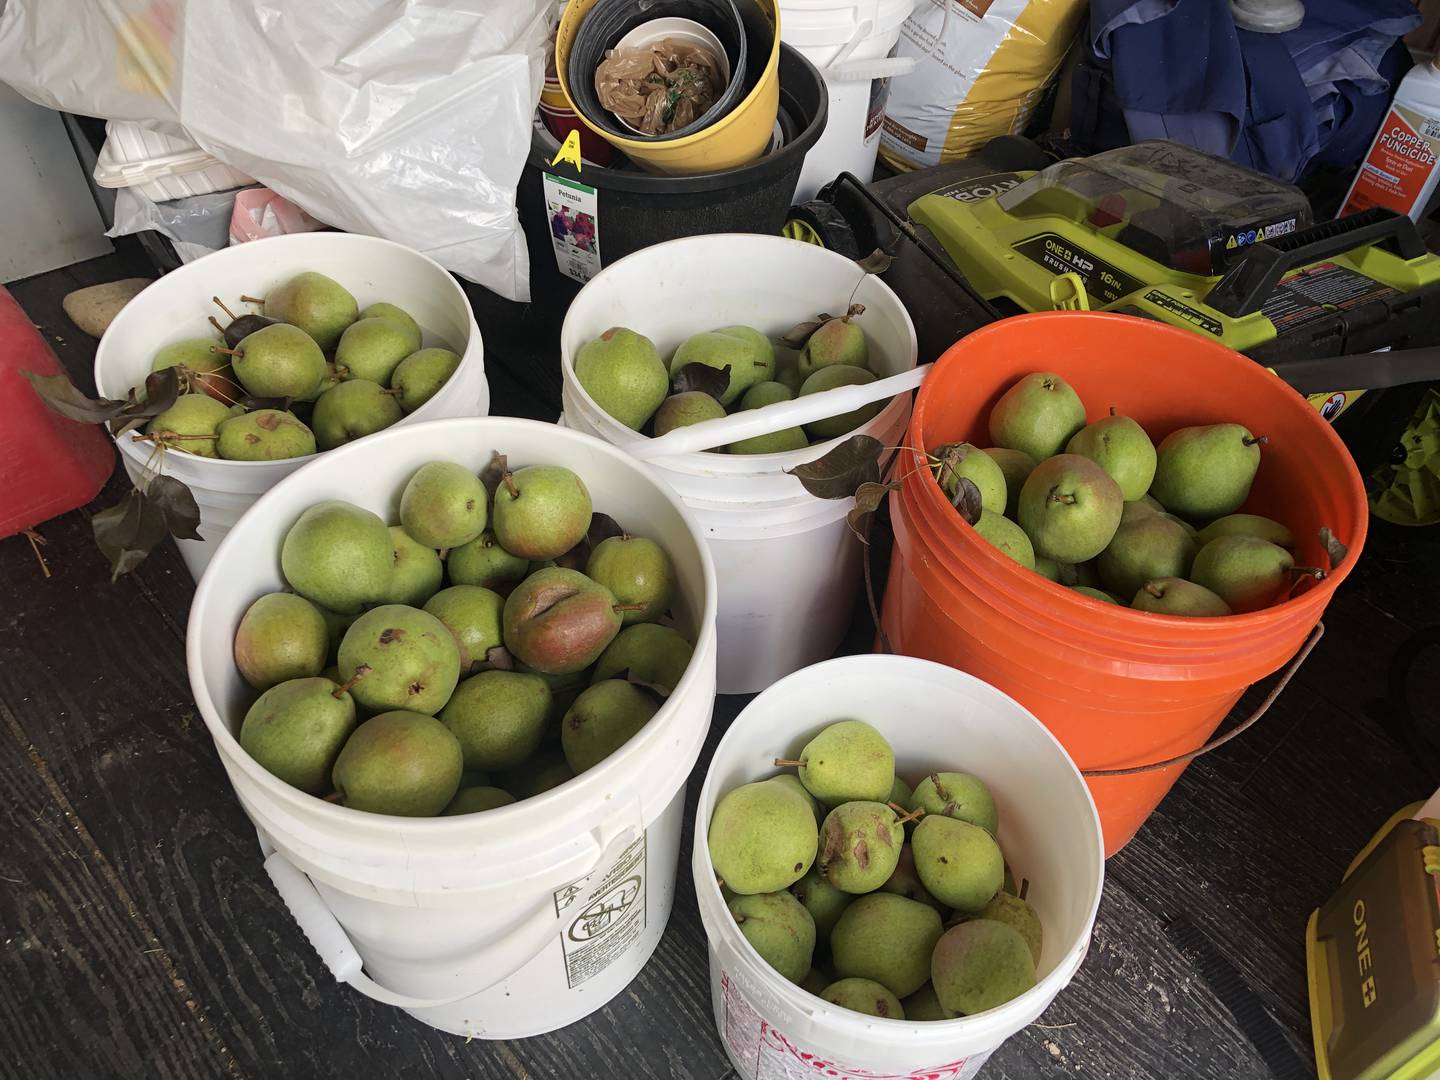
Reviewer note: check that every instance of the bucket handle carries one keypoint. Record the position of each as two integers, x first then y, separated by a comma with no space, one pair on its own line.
881,67
328,938
772,418
1238,729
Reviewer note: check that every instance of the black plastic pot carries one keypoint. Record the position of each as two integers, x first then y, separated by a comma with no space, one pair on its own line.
636,210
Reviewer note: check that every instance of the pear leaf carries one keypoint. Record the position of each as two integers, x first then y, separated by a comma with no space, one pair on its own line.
868,497
799,334
176,505
702,377
497,658
602,527
1333,547
61,395
840,473
967,500
128,531
877,262
493,473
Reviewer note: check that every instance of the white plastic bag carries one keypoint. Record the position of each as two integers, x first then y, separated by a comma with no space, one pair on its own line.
408,120
196,224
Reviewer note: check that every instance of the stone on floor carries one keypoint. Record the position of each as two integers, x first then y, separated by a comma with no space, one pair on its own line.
93,309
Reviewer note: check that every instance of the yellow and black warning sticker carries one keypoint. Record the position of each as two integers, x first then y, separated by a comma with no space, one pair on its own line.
1191,316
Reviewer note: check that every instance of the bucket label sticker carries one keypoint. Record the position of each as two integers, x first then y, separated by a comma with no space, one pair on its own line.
604,920
762,1052
572,209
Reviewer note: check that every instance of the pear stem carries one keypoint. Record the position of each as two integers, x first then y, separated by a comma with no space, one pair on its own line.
1068,500
1112,410
393,391
344,688
216,323
333,797
627,607
786,763
170,436
1258,440
221,305
240,353
913,815
252,299
1309,571
509,481
1154,590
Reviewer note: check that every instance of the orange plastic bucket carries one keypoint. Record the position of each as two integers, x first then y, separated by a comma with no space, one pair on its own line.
1119,688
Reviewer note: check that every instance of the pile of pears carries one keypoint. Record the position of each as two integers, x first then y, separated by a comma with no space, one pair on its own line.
884,900
1102,510
479,652
336,373
625,374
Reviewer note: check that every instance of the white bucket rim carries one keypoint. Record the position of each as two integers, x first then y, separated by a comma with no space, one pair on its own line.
594,778
794,996
299,240
617,434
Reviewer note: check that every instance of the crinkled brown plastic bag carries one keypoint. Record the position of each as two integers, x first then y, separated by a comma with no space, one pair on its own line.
661,87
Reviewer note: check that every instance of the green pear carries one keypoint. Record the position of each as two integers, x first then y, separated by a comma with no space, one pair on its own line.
372,349
472,614
1070,508
958,795
1016,465
558,621
980,965
1096,594
327,382
860,846
623,372
762,837
823,901
779,928
683,410
846,761
1014,912
281,636
191,424
1006,537
1247,525
1147,546
1038,415
398,657
295,730
540,512
351,410
541,773
420,376
746,352
864,996
316,304
654,654
498,717
484,562
837,341
1176,596
828,378
400,315
1248,573
205,369
1049,569
787,373
336,623
777,442
476,800
1119,446
924,1004
959,863
766,393
888,939
338,556
399,763
639,574
1206,472
961,460
602,720
444,505
278,361
264,435
417,572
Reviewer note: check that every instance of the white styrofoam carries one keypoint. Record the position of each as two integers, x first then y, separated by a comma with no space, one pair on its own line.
160,166
440,908
788,563
935,718
179,304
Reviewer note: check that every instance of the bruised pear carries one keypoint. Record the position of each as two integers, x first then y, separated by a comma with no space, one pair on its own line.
558,621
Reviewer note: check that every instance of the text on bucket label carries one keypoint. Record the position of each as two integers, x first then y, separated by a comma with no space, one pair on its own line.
761,1052
599,931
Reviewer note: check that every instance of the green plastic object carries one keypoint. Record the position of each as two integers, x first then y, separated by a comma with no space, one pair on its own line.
1408,492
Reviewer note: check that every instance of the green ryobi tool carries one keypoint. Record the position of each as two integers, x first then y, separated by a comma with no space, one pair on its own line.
1372,955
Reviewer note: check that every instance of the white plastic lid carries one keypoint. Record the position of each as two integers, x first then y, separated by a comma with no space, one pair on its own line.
135,155
1268,16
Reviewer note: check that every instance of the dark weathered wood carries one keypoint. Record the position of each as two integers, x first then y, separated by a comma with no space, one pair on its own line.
166,952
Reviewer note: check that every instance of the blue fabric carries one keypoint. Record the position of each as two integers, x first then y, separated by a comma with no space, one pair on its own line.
1181,69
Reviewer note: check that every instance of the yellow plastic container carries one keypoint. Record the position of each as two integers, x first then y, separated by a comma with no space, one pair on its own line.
737,138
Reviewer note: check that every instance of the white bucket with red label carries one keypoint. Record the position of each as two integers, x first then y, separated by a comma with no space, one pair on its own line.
935,718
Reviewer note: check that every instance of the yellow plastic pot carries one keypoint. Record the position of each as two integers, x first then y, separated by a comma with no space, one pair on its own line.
737,138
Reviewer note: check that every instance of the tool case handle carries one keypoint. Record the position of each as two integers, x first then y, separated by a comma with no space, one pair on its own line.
1256,272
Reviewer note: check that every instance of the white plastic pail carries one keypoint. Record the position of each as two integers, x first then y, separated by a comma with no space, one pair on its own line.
179,304
787,562
935,718
512,922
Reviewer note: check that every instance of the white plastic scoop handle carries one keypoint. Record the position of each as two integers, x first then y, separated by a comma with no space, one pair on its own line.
783,414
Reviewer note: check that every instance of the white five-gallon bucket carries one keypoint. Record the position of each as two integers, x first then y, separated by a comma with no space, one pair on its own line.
936,718
508,923
179,304
787,562
850,41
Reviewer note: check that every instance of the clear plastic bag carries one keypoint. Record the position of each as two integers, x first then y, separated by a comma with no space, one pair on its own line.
409,121
196,224
660,87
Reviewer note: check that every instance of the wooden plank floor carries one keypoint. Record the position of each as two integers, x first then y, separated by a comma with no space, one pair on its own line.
140,937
